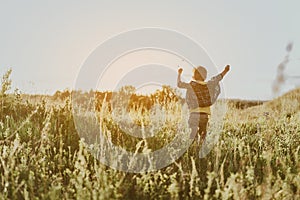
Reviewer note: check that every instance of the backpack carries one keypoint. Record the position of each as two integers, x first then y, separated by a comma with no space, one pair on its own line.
202,95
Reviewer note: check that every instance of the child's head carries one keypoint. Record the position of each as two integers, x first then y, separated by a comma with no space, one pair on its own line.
200,73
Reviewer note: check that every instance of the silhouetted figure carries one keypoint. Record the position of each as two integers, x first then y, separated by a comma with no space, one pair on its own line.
200,95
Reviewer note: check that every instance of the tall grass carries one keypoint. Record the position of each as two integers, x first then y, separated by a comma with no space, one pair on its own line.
42,156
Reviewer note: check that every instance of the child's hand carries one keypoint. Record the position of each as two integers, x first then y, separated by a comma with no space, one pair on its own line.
227,68
180,70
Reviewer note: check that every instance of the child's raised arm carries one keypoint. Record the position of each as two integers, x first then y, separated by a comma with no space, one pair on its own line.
226,69
181,84
219,77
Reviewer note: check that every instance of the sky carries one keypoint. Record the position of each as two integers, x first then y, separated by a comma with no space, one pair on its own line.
46,42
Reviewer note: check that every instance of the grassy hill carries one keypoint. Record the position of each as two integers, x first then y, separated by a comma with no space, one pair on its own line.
286,105
42,156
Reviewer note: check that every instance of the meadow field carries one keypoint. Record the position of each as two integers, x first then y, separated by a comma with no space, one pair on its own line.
256,156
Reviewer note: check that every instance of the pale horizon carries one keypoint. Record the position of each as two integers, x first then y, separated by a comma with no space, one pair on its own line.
45,44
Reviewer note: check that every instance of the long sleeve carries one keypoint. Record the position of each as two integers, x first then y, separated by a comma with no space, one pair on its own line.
181,84
216,79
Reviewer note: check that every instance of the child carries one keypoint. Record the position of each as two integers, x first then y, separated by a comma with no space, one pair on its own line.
200,96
